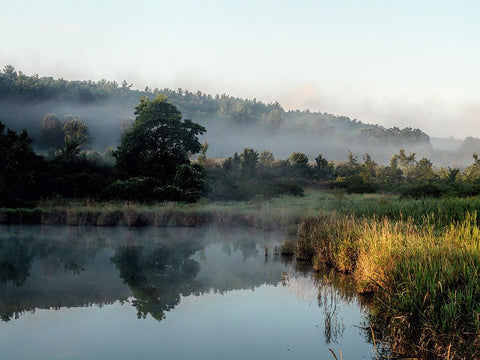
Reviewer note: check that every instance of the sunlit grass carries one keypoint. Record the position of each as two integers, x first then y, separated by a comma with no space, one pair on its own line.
426,278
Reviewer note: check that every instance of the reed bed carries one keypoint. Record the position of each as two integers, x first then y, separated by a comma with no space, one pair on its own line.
425,278
284,212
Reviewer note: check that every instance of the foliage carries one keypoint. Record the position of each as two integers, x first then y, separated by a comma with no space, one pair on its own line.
158,146
191,182
324,169
248,162
423,272
20,167
158,142
20,90
76,134
135,188
300,166
202,158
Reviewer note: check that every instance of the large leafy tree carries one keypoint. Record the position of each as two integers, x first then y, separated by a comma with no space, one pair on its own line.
158,143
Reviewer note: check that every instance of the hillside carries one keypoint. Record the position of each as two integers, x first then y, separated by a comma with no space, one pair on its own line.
232,123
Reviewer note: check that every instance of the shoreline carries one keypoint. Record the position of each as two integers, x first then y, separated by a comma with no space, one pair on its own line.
424,279
419,258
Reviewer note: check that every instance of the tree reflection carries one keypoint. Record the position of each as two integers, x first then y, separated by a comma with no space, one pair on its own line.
334,287
158,276
15,260
51,259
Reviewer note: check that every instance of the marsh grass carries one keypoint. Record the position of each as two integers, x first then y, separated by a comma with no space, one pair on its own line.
283,212
425,277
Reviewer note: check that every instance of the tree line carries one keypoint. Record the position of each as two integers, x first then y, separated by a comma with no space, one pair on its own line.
154,162
21,91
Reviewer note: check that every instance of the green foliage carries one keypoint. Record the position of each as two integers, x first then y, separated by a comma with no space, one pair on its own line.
324,170
202,158
368,170
248,162
250,174
472,172
191,180
137,188
82,176
300,166
20,167
424,275
356,184
348,168
266,160
76,134
21,89
157,148
158,142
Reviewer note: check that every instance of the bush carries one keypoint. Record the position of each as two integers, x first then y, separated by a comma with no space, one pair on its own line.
139,188
422,190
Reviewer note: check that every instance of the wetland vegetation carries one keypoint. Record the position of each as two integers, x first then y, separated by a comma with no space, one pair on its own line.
420,261
406,230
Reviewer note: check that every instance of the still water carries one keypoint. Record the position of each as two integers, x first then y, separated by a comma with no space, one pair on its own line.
169,293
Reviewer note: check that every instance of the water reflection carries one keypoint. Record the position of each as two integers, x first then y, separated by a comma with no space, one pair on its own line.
205,274
85,266
15,260
158,276
158,267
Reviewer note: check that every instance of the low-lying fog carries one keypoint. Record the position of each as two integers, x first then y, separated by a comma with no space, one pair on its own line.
224,139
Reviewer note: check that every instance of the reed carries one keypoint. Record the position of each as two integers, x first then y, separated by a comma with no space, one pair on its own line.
269,214
425,278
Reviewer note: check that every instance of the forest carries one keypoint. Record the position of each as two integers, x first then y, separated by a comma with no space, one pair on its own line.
160,158
235,123
20,91
46,155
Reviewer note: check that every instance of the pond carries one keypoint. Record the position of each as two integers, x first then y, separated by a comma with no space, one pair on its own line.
170,293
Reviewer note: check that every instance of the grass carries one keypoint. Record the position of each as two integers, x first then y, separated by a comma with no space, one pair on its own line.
282,212
425,275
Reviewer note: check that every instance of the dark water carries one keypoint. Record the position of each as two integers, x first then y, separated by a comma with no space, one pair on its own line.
168,293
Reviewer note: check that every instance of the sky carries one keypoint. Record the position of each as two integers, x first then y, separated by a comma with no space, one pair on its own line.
394,63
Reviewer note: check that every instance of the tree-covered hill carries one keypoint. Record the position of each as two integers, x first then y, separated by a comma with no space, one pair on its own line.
232,123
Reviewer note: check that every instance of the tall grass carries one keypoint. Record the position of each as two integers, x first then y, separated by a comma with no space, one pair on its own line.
278,213
426,278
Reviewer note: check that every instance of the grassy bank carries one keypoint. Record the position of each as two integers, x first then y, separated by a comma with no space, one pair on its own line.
282,212
425,274
278,212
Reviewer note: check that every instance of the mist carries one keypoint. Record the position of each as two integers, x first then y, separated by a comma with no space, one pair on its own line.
103,120
225,136
224,141
438,115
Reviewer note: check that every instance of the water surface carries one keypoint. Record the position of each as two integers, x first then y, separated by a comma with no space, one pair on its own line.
169,293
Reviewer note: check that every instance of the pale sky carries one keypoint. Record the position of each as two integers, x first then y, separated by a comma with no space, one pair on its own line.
395,63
